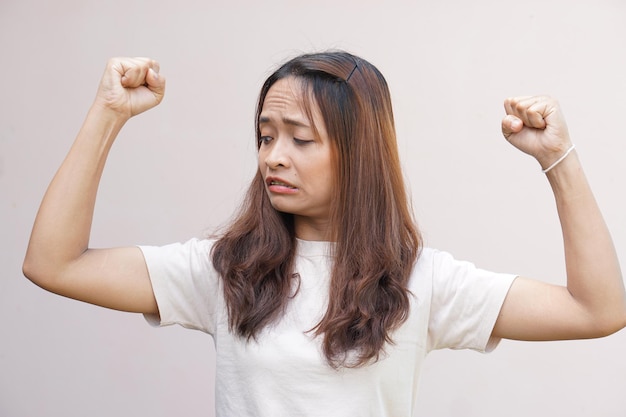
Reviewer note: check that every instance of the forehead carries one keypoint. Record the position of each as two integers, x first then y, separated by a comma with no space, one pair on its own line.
287,102
285,95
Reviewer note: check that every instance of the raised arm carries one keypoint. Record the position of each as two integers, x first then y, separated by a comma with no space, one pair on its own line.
58,258
593,304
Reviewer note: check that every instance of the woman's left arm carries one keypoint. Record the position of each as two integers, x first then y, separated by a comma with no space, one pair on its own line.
593,304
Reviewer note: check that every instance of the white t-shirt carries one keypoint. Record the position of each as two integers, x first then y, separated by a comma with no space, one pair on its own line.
284,373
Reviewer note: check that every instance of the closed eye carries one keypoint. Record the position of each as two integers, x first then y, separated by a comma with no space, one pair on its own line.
302,142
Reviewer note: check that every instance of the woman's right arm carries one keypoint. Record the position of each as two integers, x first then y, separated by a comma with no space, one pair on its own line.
58,258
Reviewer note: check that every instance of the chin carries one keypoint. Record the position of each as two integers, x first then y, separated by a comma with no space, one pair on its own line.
283,208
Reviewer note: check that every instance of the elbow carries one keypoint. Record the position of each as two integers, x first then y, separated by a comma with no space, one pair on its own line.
617,319
30,270
28,267
619,323
608,330
610,324
37,273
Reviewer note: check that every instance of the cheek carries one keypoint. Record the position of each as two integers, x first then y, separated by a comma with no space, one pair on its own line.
261,162
326,179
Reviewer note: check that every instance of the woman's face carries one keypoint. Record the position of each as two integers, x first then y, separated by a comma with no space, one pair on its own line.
296,164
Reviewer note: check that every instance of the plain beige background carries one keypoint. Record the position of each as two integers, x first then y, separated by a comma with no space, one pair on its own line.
180,169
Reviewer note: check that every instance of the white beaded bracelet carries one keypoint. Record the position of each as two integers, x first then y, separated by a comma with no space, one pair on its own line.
567,152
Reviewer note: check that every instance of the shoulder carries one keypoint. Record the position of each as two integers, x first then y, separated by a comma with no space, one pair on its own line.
442,263
446,273
431,260
194,253
197,245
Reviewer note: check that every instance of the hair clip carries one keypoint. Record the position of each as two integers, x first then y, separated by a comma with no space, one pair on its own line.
352,72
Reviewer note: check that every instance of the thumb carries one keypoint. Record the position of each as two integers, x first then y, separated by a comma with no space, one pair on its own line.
155,83
510,125
149,93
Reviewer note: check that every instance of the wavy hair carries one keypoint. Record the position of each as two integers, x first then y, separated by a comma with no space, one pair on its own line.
377,241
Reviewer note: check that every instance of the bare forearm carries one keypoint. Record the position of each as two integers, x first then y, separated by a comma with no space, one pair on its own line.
593,272
58,257
593,303
62,226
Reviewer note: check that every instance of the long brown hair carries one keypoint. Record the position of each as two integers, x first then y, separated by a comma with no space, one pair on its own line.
377,241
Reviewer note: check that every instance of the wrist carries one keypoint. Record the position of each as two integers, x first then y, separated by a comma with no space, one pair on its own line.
101,127
559,159
106,113
566,175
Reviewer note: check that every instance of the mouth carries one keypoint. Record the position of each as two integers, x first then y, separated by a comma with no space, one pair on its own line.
279,185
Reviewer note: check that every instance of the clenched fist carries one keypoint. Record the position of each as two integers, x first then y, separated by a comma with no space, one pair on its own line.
130,86
536,126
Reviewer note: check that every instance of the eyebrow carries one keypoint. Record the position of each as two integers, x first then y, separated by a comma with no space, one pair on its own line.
285,120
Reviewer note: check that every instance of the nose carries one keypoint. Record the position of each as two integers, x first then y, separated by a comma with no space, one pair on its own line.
276,154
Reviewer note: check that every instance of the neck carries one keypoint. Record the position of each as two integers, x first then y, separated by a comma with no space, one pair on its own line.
312,229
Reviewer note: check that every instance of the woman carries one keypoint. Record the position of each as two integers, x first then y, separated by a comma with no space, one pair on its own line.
319,295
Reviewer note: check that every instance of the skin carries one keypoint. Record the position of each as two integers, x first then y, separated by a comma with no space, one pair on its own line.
59,258
593,302
291,153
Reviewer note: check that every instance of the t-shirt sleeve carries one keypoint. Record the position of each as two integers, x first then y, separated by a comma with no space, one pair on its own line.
185,284
465,304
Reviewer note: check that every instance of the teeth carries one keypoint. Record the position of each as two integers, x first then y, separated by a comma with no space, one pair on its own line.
280,183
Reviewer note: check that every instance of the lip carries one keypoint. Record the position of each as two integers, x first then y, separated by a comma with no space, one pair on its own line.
279,185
